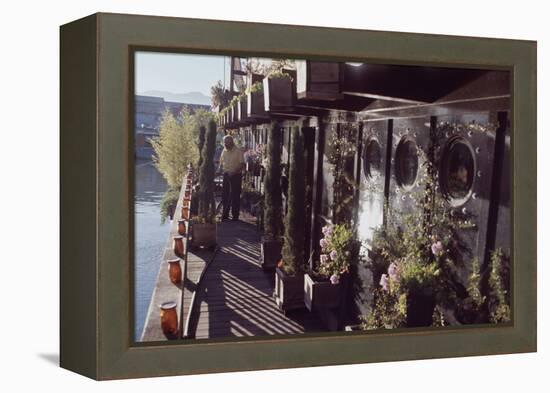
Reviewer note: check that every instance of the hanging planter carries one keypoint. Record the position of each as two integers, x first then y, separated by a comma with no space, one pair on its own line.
255,100
319,80
280,91
242,110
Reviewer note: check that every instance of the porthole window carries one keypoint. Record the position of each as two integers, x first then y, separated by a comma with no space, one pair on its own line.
372,158
457,170
406,162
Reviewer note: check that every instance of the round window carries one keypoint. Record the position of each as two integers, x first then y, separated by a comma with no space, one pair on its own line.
372,158
457,169
406,162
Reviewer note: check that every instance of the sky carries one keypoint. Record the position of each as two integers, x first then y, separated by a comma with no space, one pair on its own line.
178,73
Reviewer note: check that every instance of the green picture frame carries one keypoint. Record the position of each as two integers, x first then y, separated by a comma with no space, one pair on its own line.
96,199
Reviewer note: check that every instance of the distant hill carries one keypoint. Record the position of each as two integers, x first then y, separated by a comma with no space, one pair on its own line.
193,97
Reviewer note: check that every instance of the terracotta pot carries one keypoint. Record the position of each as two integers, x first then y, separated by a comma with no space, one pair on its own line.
169,320
174,270
179,248
185,212
182,227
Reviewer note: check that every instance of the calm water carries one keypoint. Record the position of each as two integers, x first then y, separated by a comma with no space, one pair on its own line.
150,237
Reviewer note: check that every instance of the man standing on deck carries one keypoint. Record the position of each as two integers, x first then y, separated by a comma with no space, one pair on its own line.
232,165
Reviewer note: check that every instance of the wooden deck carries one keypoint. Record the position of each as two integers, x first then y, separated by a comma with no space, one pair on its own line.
234,296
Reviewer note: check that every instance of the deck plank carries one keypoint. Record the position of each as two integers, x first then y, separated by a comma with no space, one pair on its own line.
234,298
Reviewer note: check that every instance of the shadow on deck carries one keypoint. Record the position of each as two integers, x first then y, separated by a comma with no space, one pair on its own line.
234,297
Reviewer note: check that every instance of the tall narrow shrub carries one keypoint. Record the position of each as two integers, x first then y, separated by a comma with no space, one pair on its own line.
293,248
206,176
200,143
273,222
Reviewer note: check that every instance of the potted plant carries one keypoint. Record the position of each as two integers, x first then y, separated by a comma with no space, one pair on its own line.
319,80
242,108
255,101
323,287
270,251
203,229
279,91
289,274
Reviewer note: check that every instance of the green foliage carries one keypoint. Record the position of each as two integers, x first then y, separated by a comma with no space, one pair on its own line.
273,223
207,172
421,251
220,96
200,143
293,247
169,201
415,252
256,87
279,74
499,300
476,299
343,147
389,311
175,146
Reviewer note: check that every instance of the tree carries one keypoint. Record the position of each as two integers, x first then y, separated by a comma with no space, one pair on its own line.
207,210
176,146
293,248
273,200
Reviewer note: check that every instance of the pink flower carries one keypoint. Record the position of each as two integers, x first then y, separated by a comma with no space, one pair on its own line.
334,279
324,259
333,255
393,271
327,230
323,243
437,248
384,282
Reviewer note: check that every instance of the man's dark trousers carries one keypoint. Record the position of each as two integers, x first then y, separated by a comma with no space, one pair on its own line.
231,195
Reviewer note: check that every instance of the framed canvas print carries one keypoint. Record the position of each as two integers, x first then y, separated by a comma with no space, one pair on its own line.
242,196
